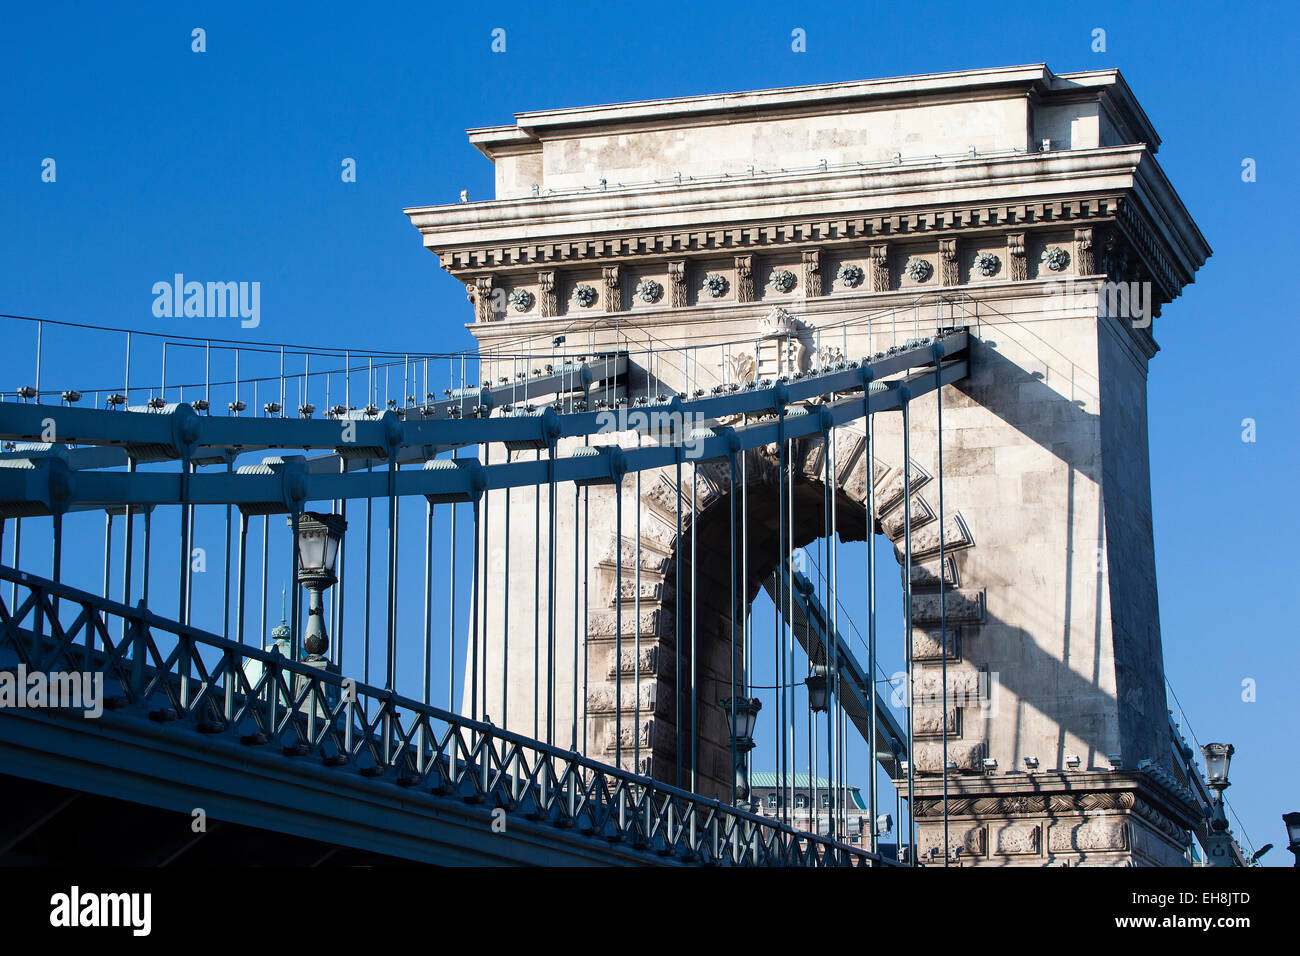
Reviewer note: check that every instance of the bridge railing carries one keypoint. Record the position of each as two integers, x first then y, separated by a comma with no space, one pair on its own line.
154,668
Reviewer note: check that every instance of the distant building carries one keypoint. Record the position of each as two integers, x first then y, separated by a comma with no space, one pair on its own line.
812,802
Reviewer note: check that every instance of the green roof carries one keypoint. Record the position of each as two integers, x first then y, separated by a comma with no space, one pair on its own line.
768,780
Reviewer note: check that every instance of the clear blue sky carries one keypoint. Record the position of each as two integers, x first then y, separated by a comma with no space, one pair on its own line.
226,164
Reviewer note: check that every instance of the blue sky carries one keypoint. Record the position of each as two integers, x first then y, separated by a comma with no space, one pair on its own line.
226,163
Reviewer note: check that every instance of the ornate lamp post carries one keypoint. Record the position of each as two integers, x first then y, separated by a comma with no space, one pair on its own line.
1218,757
817,703
742,714
1292,821
318,548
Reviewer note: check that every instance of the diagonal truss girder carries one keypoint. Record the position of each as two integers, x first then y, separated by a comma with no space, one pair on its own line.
810,622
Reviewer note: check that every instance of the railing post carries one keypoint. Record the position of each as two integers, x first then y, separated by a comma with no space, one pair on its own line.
228,703
544,782
272,690
38,622
139,650
183,667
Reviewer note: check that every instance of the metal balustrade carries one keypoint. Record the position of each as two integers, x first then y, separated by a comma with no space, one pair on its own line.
169,672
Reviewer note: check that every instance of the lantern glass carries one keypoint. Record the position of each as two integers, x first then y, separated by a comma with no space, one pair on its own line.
311,549
742,722
816,684
1217,759
318,541
1292,821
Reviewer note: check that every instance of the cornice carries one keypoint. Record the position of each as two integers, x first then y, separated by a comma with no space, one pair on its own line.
739,215
1118,198
1165,223
739,201
792,232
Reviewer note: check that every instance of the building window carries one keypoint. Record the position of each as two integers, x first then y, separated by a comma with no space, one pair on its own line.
826,801
800,802
771,800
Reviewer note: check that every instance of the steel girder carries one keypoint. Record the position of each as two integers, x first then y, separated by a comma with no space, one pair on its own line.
46,476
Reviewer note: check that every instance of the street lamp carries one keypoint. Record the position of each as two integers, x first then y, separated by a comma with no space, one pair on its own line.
742,715
816,684
1292,821
1217,759
1219,840
318,548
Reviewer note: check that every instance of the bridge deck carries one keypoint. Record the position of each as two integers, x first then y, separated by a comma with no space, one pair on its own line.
292,749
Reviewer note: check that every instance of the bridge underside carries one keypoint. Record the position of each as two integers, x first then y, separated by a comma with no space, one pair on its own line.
123,790
49,825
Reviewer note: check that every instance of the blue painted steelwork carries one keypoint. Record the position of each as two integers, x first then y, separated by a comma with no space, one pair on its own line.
811,623
216,691
245,699
289,481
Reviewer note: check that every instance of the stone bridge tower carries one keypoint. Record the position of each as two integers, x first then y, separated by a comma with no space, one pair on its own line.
845,218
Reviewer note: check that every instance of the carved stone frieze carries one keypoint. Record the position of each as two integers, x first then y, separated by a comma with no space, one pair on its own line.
603,696
968,756
546,294
925,539
480,293
741,367
744,278
1018,840
972,841
929,722
646,664
1008,806
948,272
604,624
1018,265
879,270
1083,258
1148,247
1159,821
812,272
612,276
926,644
677,283
961,606
1103,833
1118,259
925,573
